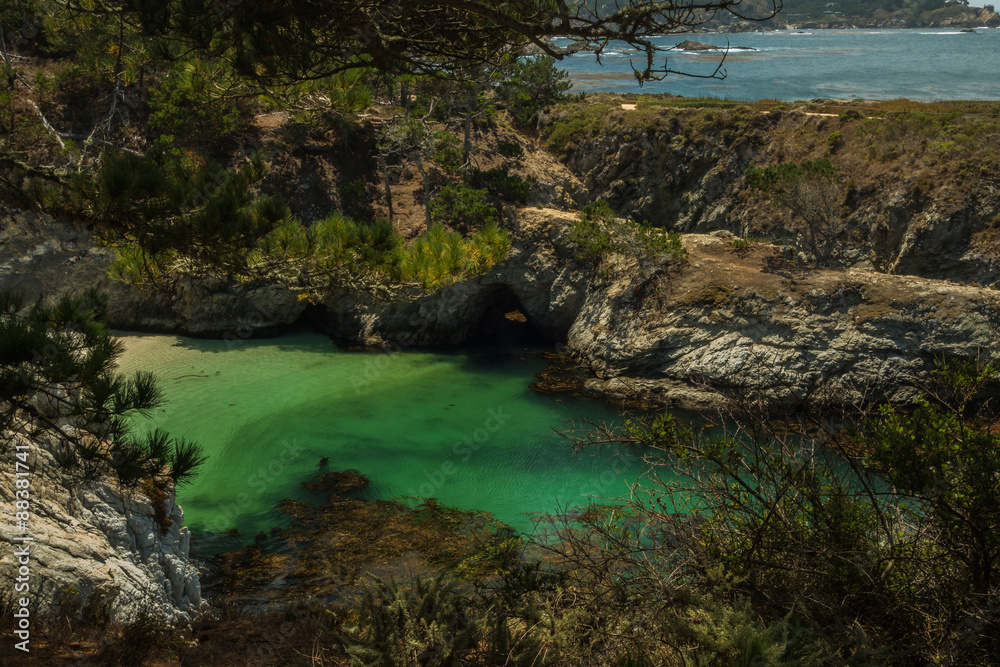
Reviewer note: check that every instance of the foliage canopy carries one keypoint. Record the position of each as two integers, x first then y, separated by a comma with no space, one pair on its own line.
57,376
277,43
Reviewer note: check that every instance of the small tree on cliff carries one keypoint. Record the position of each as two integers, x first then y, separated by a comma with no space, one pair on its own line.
533,85
810,194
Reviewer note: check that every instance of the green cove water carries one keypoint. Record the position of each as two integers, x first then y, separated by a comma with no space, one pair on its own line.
461,427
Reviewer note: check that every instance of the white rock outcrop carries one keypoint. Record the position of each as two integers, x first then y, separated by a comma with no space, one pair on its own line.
93,544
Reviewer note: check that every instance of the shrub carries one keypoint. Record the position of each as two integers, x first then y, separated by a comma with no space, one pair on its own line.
834,141
440,257
500,184
428,624
332,250
575,125
810,193
184,107
354,198
510,149
598,232
464,206
447,151
591,232
890,515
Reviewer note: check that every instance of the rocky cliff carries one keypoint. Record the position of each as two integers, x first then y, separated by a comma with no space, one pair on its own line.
920,189
737,318
42,256
742,317
93,547
750,323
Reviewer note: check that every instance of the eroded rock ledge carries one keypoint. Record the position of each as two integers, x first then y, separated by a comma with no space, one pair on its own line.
748,319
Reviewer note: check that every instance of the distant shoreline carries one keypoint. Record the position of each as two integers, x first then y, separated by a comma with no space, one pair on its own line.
970,18
811,26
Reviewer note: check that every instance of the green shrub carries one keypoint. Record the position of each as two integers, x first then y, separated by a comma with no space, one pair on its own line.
810,194
500,184
447,151
334,249
510,149
592,231
575,125
183,106
338,250
834,141
598,232
354,198
428,624
462,205
440,257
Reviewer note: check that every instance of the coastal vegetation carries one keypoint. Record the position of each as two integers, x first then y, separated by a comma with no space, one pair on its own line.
816,532
598,233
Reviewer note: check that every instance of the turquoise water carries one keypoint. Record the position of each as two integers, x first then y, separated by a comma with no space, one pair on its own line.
462,427
921,64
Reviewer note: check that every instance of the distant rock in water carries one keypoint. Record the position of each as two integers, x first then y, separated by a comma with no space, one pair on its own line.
689,45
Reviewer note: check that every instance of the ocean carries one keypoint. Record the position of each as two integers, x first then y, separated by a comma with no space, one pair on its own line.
919,64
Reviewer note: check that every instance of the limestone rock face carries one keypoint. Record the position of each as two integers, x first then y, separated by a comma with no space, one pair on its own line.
727,320
542,271
831,336
448,316
207,308
94,545
39,254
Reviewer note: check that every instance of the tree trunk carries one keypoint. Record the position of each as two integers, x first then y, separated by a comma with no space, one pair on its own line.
470,105
388,190
427,191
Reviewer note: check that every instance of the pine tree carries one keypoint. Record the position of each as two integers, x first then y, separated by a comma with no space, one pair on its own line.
58,377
